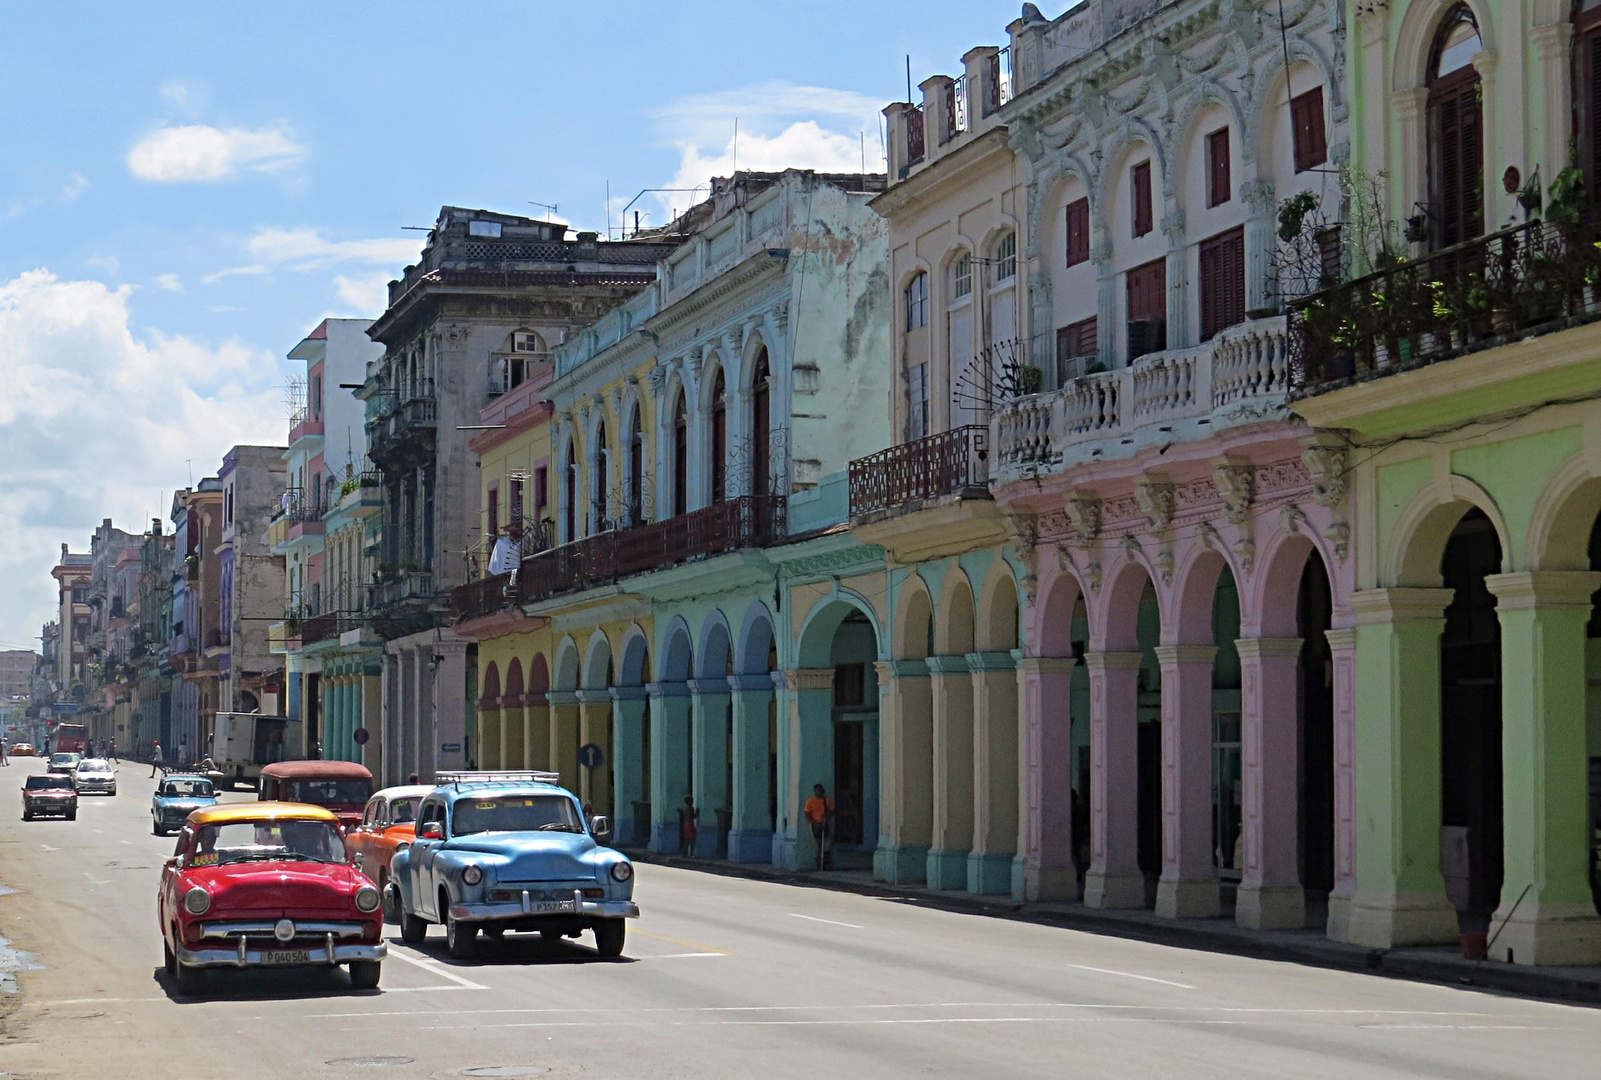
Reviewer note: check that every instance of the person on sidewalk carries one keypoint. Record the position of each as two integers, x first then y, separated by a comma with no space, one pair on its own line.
819,810
4,759
111,751
155,757
687,830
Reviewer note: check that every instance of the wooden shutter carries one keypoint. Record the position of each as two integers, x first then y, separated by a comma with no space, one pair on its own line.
1307,130
1076,339
1218,181
1457,127
1147,291
492,524
1587,103
1078,232
1140,194
1222,282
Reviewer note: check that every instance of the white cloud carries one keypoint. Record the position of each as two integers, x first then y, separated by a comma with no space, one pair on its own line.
365,295
109,263
201,153
98,421
76,185
307,249
234,271
182,96
169,282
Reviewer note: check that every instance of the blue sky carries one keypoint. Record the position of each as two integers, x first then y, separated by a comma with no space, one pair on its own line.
187,188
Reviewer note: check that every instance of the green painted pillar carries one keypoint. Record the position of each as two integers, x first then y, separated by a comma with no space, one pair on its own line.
669,761
594,729
1546,915
809,731
906,803
750,837
953,772
710,780
628,764
1400,895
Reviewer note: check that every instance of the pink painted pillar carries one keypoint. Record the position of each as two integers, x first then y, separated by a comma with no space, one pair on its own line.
1270,896
1342,645
1188,888
1045,820
1114,879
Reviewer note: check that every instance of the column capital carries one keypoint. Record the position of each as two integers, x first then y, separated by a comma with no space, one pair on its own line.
629,693
709,687
901,669
1391,605
1539,589
667,689
808,678
1341,638
1261,648
1112,661
1551,40
597,696
1173,655
1410,102
1047,665
751,684
991,661
947,665
561,697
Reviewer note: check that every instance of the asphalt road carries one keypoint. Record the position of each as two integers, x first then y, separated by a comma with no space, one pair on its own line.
722,977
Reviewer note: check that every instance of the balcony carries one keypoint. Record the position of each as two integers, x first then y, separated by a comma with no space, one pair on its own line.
950,464
486,596
405,429
1241,374
1515,284
319,628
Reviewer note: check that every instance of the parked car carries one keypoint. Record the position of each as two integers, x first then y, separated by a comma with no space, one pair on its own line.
266,884
340,786
503,851
95,774
49,795
176,797
387,824
64,762
21,749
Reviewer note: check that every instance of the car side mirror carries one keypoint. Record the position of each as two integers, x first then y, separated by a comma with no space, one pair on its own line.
432,831
359,859
600,825
172,861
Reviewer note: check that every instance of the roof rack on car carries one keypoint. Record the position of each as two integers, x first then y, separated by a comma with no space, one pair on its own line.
524,776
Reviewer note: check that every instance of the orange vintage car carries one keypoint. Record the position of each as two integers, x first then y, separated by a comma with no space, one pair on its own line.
388,822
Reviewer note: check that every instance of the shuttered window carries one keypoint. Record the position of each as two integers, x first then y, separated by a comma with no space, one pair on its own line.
1147,308
1307,131
1217,168
1140,197
1076,339
1078,232
1457,157
1587,96
1222,282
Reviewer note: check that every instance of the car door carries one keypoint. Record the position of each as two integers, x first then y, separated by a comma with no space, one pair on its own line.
166,896
359,840
424,855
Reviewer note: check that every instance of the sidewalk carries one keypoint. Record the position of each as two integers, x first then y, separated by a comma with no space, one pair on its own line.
1436,964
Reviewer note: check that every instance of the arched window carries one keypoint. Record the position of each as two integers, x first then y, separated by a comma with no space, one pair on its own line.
719,436
761,427
636,470
569,512
601,475
1005,258
917,302
1587,89
680,457
962,277
1456,130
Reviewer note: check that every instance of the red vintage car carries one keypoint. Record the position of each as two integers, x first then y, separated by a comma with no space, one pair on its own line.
340,786
266,885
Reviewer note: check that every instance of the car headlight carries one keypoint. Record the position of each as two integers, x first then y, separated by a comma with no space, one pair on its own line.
197,901
367,898
622,871
472,875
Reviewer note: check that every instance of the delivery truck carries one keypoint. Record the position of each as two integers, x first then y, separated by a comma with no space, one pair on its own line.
245,743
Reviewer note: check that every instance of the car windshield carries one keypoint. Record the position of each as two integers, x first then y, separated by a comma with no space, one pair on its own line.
516,813
63,759
404,811
326,792
268,841
93,765
41,783
187,789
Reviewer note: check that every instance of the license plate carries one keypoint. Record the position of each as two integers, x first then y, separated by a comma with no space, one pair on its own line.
546,907
287,956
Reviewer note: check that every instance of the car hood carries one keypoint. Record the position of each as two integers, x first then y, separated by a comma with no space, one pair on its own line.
535,856
50,793
278,889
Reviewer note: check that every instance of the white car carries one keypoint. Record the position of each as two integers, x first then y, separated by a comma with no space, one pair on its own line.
95,775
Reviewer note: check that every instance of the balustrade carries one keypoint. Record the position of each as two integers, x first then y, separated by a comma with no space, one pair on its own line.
948,463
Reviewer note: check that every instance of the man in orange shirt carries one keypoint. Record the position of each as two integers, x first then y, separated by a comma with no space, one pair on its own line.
819,810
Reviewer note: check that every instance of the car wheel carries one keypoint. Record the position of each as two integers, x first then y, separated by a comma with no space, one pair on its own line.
155,829
461,939
609,937
413,928
364,974
72,815
168,960
391,902
189,979
27,815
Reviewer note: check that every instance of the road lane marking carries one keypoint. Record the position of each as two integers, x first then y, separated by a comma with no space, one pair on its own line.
95,880
1131,975
830,922
677,955
696,945
1069,1006
434,968
47,847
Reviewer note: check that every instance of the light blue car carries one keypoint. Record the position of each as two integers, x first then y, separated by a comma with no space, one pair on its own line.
176,798
509,851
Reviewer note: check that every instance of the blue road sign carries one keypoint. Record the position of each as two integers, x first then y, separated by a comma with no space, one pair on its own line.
361,735
591,756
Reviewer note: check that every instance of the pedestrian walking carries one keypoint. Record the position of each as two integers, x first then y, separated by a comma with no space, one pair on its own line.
183,752
4,760
111,751
155,757
687,829
819,810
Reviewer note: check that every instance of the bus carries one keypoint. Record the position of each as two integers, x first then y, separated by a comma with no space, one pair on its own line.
70,738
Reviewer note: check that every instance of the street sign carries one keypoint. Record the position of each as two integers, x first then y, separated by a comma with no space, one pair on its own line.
591,756
450,748
360,735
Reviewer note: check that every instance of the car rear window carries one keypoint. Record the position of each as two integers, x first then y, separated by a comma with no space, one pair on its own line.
326,792
187,789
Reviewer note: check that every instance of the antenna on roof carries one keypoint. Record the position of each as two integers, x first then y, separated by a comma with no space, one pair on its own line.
736,145
552,207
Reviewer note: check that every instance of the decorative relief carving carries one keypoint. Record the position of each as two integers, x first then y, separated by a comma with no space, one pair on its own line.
1236,487
1206,533
1245,550
1340,535
1164,565
1156,502
1084,512
1294,518
1327,464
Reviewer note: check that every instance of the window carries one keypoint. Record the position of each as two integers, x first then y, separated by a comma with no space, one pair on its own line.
1078,232
1006,259
1147,308
917,402
1077,339
514,513
599,479
492,513
483,228
1307,131
720,433
526,341
1217,168
1330,262
1456,130
917,302
1222,282
680,458
962,277
761,422
636,470
1587,91
1140,198
316,397
541,488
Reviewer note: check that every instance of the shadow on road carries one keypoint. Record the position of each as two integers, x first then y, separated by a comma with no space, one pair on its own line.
260,984
520,949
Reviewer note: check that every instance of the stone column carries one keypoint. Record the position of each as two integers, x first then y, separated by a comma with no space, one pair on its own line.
995,773
750,839
512,753
1553,72
537,738
952,840
669,761
491,754
564,736
1546,915
1410,109
388,705
809,733
1114,879
628,764
709,781
450,704
1342,646
1261,243
1188,888
1400,895
1498,144
1270,896
1045,828
906,772
1179,335
594,729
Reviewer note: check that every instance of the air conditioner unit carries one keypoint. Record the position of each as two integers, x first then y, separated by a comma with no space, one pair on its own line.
1146,336
1069,368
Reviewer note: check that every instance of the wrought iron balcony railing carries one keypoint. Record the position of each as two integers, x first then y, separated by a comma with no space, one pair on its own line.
954,462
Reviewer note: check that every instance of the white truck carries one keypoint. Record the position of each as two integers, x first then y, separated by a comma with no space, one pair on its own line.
244,742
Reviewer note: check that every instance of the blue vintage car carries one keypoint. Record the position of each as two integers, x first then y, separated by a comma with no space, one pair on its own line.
509,851
176,798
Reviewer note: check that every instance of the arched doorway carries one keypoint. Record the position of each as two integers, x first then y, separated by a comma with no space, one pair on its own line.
1315,695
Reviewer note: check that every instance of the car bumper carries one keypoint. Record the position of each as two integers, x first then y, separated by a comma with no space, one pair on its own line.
105,786
330,954
63,807
516,911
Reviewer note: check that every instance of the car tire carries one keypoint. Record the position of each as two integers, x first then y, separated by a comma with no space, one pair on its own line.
168,960
27,815
187,978
72,815
391,902
364,974
413,928
155,829
609,937
461,939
